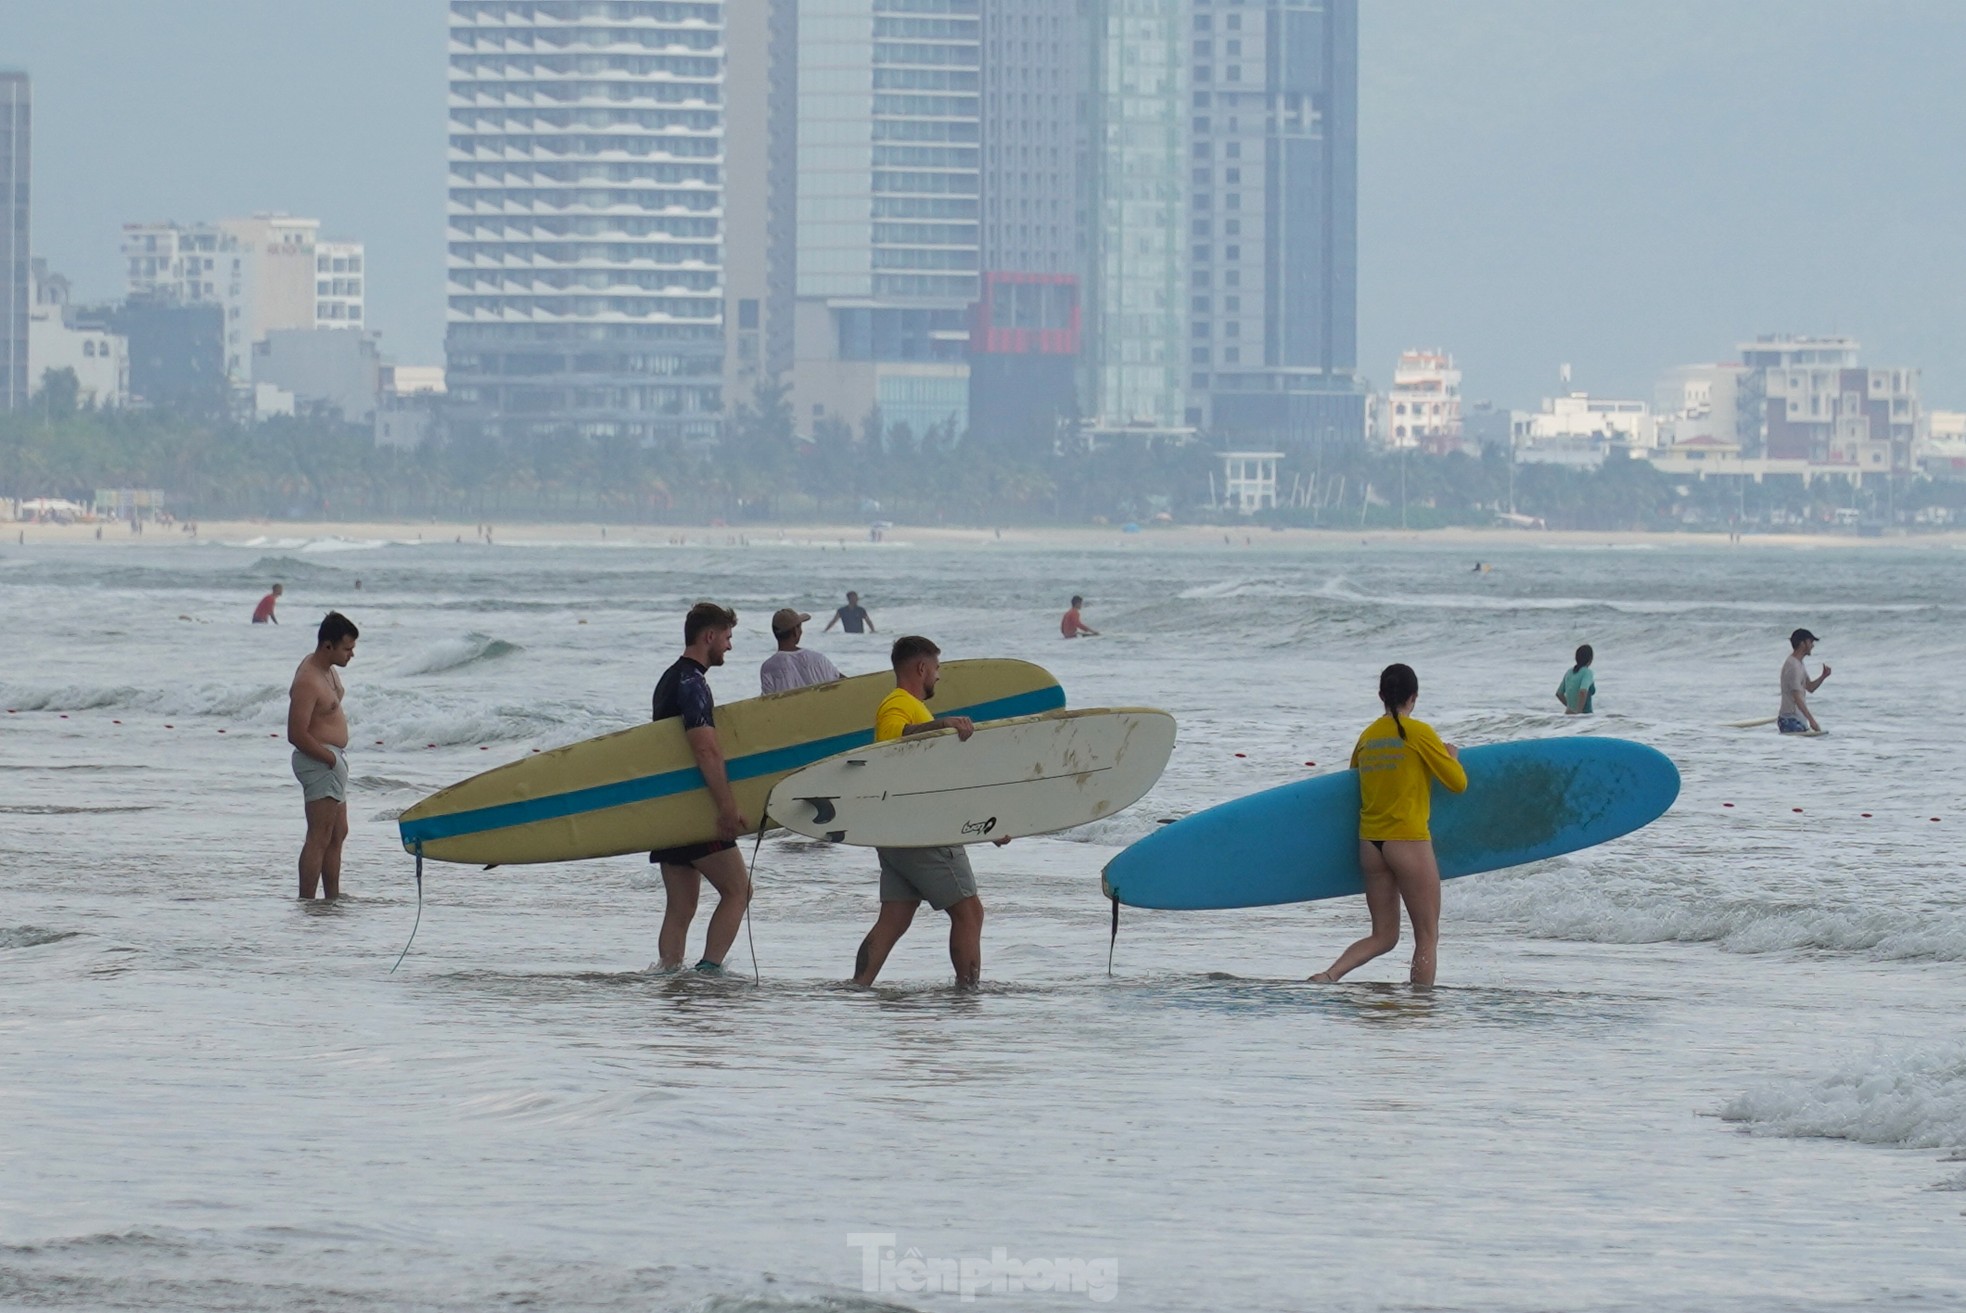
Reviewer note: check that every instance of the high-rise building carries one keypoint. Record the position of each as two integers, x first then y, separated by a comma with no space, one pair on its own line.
889,174
1137,267
761,179
1274,214
1025,336
586,265
16,279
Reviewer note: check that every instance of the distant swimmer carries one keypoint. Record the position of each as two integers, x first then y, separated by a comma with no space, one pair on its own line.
792,666
1578,689
852,618
317,726
1072,626
684,692
1397,758
910,876
263,613
1795,716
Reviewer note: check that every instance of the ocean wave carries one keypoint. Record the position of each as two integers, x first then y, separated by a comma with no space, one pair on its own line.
455,654
231,700
413,721
1915,1099
290,569
1578,904
31,936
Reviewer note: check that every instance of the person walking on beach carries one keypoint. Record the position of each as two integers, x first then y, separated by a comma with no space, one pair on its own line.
852,618
684,692
1794,716
1397,758
1072,625
910,876
792,666
263,613
317,726
1578,689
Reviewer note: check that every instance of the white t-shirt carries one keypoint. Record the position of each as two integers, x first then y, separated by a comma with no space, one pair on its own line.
1795,682
783,670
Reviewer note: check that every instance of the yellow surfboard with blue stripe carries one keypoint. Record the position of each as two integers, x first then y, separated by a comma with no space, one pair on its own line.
639,789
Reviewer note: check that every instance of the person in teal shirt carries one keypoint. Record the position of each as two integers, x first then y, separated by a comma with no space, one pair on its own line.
1579,687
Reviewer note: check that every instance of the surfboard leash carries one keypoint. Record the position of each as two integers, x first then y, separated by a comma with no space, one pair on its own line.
419,909
751,877
1113,943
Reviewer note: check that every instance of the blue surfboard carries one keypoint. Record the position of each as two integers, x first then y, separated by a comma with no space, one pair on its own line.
1524,802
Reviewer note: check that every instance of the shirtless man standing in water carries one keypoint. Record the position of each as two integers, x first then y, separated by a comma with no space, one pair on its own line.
317,726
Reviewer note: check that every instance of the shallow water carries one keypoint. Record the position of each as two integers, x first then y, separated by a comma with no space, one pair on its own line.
1715,1065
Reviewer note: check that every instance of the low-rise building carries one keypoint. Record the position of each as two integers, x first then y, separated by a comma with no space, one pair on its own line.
1423,410
61,335
1249,480
1582,430
1808,399
325,372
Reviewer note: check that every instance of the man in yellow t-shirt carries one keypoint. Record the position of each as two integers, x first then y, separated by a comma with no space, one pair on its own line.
941,876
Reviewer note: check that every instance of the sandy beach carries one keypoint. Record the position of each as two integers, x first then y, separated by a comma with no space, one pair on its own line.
530,533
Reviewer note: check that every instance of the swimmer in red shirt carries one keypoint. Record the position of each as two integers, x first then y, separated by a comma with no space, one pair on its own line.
263,613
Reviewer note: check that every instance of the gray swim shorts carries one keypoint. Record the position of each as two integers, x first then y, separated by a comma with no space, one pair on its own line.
318,781
940,876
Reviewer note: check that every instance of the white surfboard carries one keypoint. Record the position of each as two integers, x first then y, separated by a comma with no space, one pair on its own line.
1032,775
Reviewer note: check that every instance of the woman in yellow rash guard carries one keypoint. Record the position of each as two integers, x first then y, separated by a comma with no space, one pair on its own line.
1397,758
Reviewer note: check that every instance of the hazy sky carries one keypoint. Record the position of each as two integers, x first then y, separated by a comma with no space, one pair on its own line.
1620,184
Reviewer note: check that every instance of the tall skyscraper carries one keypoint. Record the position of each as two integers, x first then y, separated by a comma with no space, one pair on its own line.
1273,305
1025,335
761,179
16,279
586,266
888,220
1137,270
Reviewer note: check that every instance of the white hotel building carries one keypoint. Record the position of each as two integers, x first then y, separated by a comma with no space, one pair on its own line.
270,272
585,217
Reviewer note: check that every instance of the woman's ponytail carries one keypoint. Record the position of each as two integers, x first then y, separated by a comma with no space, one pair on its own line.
1584,657
1398,685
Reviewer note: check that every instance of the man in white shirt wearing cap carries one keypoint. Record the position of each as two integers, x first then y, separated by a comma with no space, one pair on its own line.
792,666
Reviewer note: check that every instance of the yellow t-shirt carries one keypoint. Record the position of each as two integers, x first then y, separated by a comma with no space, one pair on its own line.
899,710
1393,775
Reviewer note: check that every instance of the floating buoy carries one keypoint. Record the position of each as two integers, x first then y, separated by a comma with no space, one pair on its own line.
378,743
170,727
1865,815
429,745
1239,754
483,748
221,731
115,722
1727,804
64,716
1796,809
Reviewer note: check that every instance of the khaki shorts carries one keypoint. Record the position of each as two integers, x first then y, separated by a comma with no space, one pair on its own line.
318,781
939,876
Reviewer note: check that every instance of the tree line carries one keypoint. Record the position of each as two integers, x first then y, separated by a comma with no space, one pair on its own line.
762,471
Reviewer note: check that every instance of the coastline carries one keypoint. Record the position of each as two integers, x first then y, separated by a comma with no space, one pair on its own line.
295,534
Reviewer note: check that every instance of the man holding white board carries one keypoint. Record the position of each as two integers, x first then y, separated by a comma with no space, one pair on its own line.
910,876
1795,716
